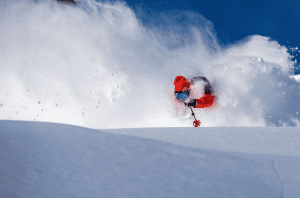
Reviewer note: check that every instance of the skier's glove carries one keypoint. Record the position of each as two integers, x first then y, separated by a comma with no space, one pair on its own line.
192,103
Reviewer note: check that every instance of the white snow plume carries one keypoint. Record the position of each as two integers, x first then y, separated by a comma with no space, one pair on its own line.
257,90
96,65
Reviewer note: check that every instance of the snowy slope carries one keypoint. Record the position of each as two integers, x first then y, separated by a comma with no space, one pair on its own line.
54,160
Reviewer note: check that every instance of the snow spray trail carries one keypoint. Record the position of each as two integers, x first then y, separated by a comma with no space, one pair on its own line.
96,65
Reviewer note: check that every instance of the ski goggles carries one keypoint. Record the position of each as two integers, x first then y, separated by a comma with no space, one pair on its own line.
182,95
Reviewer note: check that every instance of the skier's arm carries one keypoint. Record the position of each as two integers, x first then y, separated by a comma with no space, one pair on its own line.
194,79
207,88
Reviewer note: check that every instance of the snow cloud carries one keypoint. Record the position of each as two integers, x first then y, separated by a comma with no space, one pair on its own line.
97,65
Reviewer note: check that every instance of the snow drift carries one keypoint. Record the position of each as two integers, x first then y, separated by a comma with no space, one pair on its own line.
53,160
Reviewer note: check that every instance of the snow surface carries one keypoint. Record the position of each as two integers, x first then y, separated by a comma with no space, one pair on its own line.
40,159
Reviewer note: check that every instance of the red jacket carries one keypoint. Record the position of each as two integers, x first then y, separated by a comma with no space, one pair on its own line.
182,84
205,101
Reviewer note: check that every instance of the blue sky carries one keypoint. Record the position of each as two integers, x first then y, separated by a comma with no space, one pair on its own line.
235,20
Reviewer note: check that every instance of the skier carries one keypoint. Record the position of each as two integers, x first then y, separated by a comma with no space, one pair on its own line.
183,92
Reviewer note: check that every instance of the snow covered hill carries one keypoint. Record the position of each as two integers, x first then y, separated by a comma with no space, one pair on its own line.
39,159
